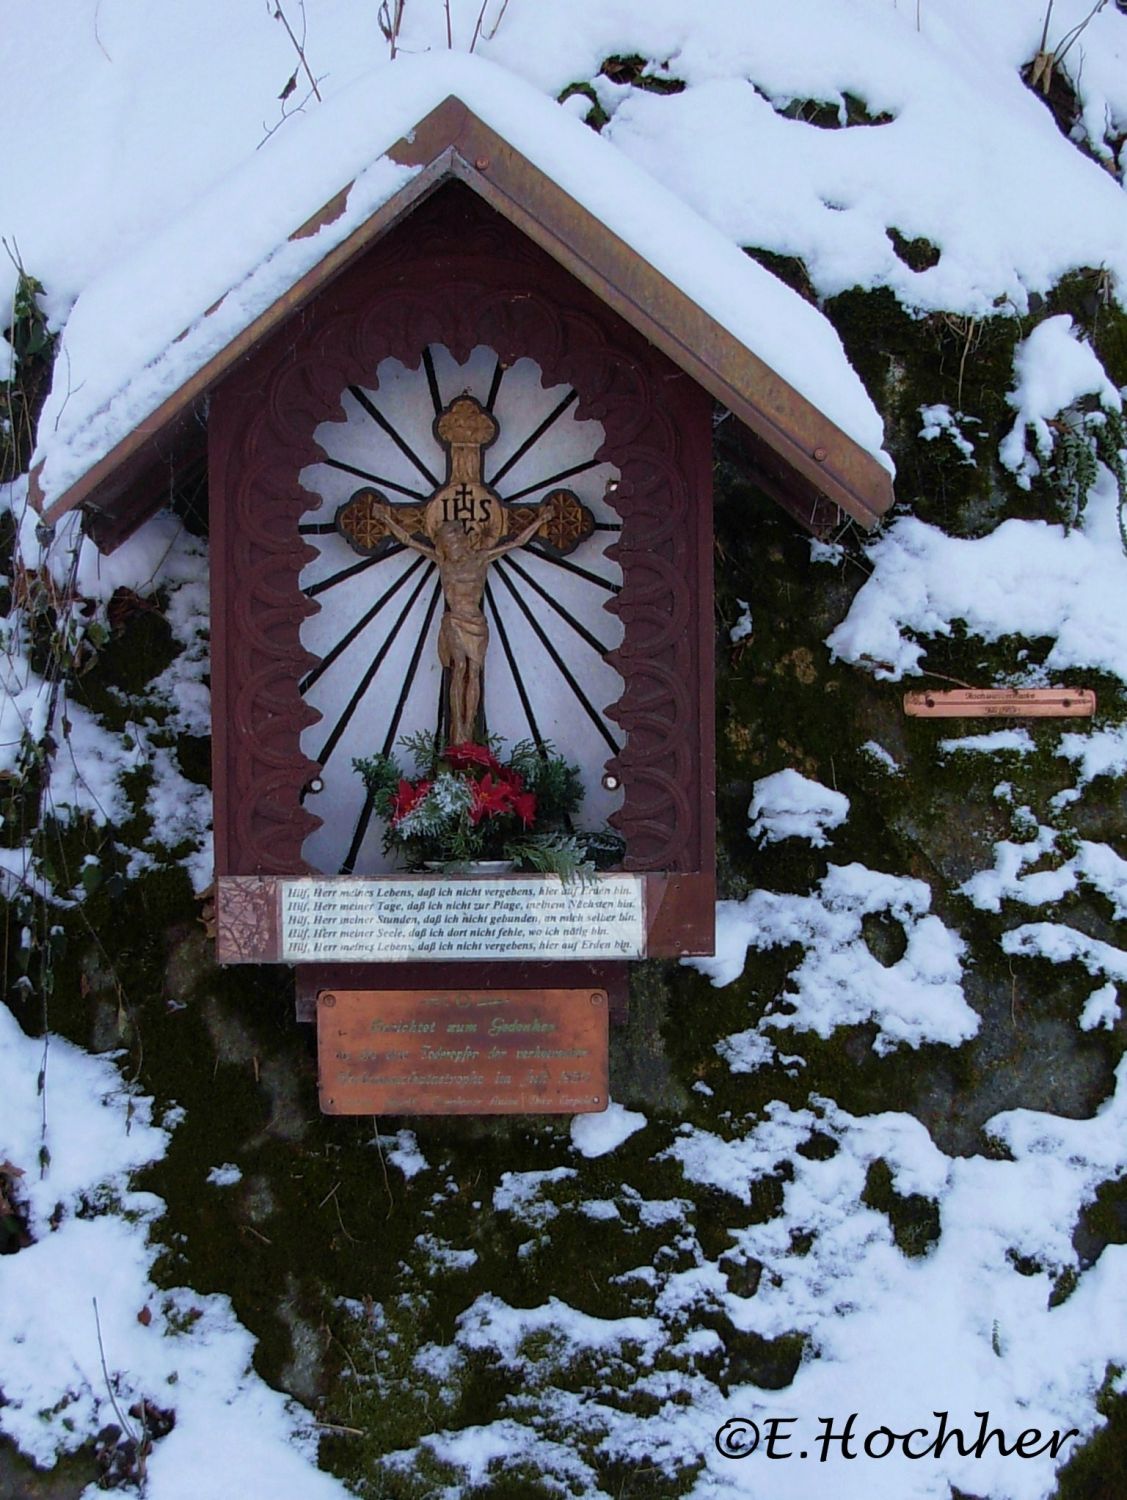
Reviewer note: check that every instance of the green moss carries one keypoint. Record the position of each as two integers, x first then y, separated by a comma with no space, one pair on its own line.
596,116
1103,1222
22,397
918,254
827,115
72,1476
138,649
1098,1470
788,268
963,363
641,73
914,1219
749,1359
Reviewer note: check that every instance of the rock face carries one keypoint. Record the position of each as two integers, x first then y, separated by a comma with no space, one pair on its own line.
376,1269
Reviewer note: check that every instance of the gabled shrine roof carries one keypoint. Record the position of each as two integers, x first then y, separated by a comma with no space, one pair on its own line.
149,338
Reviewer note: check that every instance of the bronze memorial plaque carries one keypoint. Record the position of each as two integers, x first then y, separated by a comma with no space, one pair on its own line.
462,1052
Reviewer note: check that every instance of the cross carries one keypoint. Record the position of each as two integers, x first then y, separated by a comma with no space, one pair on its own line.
463,528
465,429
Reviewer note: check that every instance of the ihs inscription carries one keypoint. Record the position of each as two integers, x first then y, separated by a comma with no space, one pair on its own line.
465,429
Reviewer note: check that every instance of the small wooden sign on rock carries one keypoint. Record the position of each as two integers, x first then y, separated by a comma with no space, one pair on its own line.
1001,703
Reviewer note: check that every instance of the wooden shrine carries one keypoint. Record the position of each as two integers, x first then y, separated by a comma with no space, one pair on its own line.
460,482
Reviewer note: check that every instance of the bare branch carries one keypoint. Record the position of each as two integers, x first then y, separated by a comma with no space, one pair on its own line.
1067,40
121,1417
299,47
390,18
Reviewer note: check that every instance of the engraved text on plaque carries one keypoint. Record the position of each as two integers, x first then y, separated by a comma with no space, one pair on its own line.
462,1052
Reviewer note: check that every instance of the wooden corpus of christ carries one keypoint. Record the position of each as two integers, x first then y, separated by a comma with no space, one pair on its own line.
578,467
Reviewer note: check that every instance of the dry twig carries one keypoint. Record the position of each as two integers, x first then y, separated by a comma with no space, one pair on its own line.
488,36
390,18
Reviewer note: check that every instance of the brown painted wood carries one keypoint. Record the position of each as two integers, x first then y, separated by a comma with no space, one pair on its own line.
462,1051
459,274
785,430
680,915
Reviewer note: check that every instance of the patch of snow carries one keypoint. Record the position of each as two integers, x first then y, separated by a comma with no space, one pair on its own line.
1061,945
1025,578
225,1176
838,982
405,1154
598,1134
743,626
957,1322
1103,752
1016,741
491,1324
75,1294
1054,368
443,1257
882,757
788,805
832,553
747,1051
599,1208
1007,882
518,1193
939,420
1101,1009
1097,865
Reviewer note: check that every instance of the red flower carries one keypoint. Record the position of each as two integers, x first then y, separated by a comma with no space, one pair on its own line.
524,805
407,798
490,798
462,757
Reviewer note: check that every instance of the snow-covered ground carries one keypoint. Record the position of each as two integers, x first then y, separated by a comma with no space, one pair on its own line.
125,125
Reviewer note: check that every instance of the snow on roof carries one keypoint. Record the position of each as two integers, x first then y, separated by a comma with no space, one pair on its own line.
144,327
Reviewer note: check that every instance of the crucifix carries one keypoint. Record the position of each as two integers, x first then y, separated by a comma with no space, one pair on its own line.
463,528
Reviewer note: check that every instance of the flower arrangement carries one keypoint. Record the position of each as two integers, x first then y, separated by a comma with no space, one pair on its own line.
465,804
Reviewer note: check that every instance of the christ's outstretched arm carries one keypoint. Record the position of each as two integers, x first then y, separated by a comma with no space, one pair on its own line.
405,537
518,541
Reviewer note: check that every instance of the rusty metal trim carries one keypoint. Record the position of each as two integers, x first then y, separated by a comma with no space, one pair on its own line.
449,142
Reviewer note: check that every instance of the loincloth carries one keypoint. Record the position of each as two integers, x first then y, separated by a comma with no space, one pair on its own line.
462,639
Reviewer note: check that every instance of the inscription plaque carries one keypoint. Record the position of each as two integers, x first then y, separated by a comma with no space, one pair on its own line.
1001,703
462,1052
405,919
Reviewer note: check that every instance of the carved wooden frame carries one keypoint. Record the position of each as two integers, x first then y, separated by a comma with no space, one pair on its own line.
457,273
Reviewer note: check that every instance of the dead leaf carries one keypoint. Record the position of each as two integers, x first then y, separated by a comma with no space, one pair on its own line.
1041,71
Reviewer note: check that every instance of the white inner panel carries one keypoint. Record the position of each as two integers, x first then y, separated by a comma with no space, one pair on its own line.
376,682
